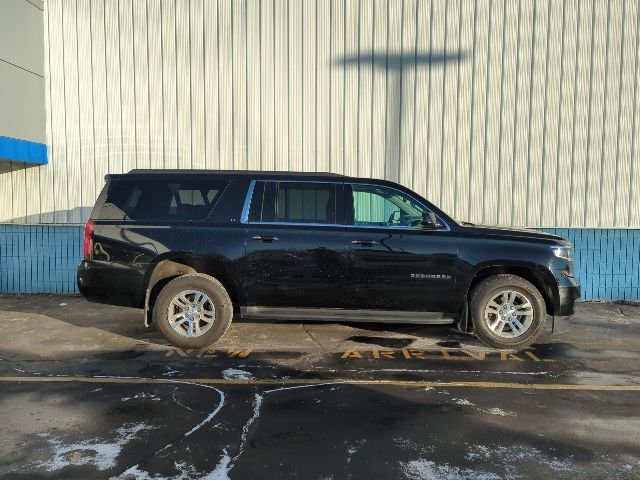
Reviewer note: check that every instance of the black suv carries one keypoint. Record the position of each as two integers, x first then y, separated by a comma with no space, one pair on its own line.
193,247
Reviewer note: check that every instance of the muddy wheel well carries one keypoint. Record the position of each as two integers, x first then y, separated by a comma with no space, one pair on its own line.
522,272
167,270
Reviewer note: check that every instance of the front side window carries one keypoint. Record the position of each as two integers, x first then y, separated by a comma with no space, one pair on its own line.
377,206
294,202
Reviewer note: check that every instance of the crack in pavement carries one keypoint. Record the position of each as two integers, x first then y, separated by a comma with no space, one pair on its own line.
312,337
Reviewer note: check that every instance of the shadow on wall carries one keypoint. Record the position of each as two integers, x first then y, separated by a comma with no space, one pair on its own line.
395,64
7,166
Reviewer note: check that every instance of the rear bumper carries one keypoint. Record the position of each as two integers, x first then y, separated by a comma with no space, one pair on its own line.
110,283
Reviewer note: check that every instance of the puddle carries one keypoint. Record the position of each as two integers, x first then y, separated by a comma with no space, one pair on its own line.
568,350
382,341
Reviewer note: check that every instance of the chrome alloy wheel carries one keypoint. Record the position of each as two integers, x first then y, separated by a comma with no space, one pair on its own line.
509,314
191,313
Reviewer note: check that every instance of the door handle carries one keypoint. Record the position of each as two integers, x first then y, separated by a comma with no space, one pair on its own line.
265,239
364,243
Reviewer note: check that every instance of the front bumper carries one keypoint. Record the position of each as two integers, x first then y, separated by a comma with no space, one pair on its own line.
566,306
560,323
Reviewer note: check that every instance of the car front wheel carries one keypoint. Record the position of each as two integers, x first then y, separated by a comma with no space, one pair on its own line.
508,311
193,311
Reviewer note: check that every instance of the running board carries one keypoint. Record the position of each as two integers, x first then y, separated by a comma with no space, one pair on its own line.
342,315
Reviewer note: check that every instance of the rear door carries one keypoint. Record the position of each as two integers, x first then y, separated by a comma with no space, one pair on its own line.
295,248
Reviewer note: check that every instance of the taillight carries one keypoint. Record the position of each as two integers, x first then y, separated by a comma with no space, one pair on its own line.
88,237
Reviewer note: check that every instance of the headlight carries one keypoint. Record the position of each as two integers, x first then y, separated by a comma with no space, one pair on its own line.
563,252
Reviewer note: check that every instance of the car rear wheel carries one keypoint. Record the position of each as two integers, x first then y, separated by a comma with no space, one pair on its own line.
193,311
508,311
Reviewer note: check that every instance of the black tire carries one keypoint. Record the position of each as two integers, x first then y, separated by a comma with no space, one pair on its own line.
216,293
491,287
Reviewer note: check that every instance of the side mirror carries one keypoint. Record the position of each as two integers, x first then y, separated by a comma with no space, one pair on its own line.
429,220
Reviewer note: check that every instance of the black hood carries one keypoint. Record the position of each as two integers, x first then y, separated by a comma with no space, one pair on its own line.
514,232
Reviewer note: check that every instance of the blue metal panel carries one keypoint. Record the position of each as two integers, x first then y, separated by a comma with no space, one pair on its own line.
16,150
43,259
39,258
607,262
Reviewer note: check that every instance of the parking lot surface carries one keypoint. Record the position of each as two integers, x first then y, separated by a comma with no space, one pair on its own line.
86,391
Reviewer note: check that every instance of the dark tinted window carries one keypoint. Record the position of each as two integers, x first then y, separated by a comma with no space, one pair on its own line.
269,203
162,199
293,202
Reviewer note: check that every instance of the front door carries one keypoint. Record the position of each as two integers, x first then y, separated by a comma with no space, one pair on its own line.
393,262
295,247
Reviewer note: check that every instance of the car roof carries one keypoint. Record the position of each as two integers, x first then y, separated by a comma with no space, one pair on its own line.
252,173
255,174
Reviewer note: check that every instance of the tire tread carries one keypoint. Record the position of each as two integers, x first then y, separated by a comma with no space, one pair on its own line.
505,280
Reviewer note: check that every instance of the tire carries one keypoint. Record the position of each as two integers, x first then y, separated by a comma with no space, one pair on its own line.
199,323
513,325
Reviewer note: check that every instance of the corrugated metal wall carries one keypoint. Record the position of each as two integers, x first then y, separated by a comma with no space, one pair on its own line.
501,111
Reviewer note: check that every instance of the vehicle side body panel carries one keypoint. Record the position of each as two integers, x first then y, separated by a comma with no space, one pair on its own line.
342,266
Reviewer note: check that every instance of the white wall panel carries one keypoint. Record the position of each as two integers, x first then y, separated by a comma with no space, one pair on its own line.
634,176
464,106
378,89
141,68
196,53
169,92
265,85
478,57
581,114
87,154
626,132
183,84
211,112
323,86
99,102
281,85
435,113
351,66
225,83
523,112
407,93
127,84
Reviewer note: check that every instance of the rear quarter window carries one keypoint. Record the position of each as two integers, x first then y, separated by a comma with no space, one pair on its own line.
166,199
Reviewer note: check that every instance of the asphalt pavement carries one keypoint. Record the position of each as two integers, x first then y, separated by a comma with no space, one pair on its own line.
86,391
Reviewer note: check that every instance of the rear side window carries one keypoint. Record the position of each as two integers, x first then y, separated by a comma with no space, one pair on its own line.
171,199
294,202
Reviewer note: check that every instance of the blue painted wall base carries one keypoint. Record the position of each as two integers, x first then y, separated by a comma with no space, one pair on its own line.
43,259
607,261
39,258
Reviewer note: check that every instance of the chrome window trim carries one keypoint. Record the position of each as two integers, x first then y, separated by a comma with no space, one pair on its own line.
247,203
270,180
244,217
446,228
408,229
300,224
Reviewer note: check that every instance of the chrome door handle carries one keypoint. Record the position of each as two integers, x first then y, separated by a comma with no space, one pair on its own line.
364,243
265,239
